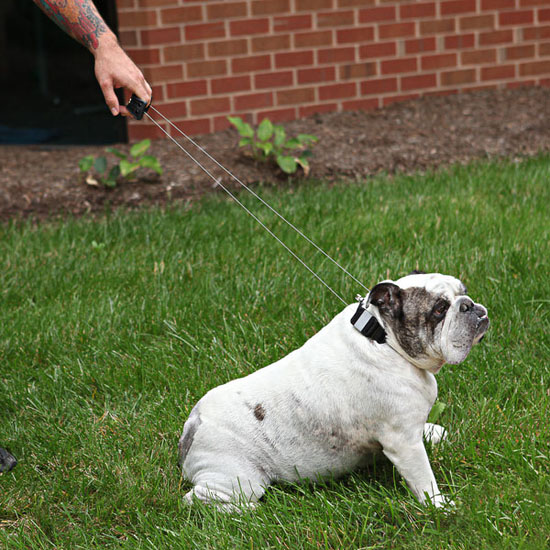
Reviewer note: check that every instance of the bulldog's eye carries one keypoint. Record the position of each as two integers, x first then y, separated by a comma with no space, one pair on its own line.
440,309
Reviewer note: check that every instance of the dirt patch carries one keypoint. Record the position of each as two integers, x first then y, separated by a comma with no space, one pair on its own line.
41,181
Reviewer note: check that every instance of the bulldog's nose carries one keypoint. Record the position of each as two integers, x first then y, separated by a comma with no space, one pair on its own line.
468,306
480,311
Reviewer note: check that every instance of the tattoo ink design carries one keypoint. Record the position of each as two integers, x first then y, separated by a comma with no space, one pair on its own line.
79,18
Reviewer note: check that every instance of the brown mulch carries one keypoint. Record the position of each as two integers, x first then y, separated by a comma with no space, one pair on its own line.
41,181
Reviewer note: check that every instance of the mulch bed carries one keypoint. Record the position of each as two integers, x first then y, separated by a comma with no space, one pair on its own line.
42,181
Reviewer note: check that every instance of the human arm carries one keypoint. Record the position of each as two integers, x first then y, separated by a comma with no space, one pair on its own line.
113,68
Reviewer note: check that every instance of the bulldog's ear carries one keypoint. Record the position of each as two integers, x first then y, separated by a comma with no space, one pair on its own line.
387,298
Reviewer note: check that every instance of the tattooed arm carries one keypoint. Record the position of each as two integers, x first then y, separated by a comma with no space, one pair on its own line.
113,68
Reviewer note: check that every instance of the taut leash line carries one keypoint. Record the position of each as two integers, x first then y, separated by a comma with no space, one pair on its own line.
242,184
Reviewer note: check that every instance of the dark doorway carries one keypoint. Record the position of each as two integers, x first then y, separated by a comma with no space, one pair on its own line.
48,90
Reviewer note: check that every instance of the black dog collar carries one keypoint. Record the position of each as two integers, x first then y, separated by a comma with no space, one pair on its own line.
368,325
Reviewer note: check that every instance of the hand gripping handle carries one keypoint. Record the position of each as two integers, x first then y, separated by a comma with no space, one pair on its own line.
137,107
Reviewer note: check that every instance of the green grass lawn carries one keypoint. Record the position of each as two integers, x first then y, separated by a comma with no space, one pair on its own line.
112,328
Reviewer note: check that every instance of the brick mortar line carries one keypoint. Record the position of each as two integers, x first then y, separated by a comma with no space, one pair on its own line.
204,11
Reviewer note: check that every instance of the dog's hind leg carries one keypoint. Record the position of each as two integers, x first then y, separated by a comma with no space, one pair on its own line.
218,468
226,493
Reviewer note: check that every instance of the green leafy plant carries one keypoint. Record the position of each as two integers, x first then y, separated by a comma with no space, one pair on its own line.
97,169
270,142
436,411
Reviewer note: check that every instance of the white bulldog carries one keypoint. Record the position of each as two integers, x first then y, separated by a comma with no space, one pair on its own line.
362,385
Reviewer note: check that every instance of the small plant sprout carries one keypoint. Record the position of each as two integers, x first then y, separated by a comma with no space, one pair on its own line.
97,169
270,143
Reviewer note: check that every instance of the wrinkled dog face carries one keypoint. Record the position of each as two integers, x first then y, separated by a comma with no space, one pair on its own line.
429,318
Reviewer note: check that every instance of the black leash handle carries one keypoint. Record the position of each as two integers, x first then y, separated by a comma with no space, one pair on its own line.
137,107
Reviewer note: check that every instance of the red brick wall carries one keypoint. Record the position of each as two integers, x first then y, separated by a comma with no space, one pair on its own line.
285,59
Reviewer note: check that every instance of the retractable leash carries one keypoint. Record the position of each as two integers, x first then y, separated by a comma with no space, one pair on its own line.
362,320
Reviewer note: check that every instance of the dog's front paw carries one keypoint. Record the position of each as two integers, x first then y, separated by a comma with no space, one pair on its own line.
441,503
444,502
434,433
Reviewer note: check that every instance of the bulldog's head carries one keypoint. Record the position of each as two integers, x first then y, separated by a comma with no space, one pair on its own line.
428,318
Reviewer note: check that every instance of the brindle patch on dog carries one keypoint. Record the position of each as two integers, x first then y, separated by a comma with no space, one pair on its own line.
416,301
259,412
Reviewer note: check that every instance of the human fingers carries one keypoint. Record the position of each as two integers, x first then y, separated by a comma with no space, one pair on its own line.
142,88
129,76
106,85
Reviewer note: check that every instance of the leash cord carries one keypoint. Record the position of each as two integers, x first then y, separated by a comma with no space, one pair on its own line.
235,178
